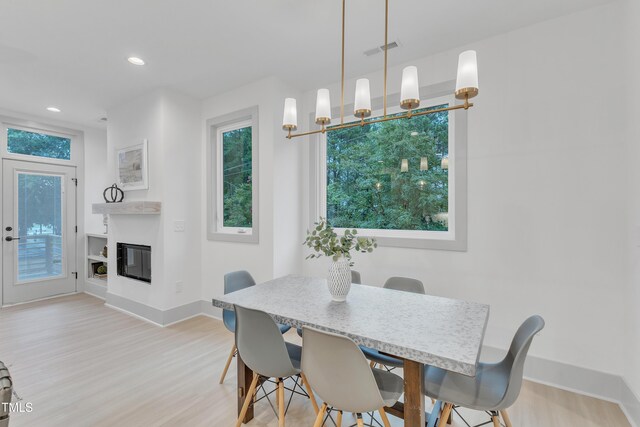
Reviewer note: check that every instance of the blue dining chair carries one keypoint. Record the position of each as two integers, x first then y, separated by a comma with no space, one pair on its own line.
355,278
494,388
236,281
404,284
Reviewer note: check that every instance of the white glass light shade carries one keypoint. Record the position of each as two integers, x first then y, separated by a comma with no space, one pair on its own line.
323,107
445,163
404,166
290,116
424,163
467,81
409,90
362,105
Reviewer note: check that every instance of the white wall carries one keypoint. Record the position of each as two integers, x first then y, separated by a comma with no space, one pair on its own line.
181,199
130,124
171,124
546,233
279,194
96,177
632,321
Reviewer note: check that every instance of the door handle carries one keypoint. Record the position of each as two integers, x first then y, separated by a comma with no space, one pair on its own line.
10,238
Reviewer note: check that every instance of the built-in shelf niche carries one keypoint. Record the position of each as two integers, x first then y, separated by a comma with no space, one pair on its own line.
95,245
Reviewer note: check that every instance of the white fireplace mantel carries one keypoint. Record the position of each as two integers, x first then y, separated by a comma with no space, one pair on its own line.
128,208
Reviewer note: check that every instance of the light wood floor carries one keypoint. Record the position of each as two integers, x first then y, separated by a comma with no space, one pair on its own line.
82,364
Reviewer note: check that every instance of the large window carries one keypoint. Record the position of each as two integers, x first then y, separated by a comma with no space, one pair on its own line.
391,175
402,181
232,177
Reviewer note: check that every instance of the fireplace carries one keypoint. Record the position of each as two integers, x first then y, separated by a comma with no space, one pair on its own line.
134,261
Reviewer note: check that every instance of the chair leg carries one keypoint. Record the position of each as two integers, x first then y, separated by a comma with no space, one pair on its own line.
496,419
445,415
281,403
226,367
372,364
320,416
248,399
309,392
385,419
339,419
360,422
505,417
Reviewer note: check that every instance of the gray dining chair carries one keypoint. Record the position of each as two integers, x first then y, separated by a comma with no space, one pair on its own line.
355,278
339,373
495,387
264,350
405,284
236,281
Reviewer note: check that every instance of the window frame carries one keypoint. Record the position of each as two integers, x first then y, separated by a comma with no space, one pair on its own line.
216,127
7,123
456,237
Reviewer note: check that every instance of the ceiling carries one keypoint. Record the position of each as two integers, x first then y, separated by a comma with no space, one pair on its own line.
72,53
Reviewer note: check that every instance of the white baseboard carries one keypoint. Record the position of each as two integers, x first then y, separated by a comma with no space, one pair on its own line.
589,382
95,290
182,313
630,404
151,314
209,310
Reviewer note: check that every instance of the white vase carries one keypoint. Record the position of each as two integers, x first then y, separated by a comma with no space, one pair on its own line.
339,279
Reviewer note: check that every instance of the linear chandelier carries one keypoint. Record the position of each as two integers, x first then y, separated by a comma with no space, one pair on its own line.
466,88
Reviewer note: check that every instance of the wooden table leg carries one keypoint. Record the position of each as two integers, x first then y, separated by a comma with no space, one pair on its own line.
413,394
245,375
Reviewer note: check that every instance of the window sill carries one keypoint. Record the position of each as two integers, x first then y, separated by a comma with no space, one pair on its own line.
459,245
233,237
438,240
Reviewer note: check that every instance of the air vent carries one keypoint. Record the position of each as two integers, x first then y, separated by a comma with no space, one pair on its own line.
380,49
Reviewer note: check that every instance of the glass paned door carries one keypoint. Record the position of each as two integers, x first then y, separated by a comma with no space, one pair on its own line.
39,235
40,200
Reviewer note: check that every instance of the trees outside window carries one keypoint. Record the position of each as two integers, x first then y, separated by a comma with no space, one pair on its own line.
38,144
236,177
390,175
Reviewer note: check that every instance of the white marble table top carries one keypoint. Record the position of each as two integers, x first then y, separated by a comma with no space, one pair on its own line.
437,331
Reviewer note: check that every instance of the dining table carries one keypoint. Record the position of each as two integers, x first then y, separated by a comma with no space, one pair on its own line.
421,330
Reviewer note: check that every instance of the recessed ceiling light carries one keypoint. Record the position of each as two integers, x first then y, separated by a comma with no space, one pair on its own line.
54,109
135,60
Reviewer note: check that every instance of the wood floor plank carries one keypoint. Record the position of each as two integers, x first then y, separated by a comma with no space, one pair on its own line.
83,364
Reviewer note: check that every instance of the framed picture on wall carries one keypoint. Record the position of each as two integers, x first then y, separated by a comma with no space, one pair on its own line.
132,170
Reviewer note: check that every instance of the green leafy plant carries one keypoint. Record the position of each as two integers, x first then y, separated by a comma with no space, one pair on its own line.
102,269
325,241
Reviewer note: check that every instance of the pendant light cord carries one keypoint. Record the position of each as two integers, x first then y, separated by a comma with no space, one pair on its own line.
386,33
342,90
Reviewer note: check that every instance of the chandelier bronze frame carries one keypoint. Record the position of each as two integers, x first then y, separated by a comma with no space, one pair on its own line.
409,105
